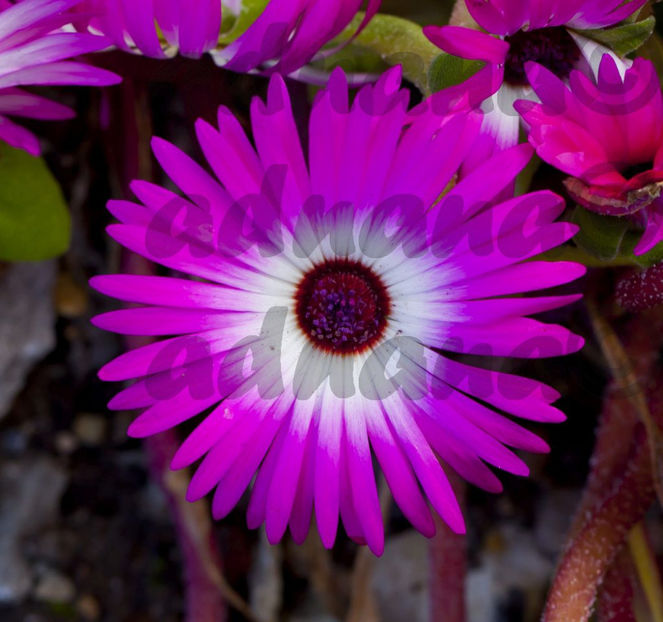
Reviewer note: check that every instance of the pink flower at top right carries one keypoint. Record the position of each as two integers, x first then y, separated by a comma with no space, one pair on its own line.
549,32
607,134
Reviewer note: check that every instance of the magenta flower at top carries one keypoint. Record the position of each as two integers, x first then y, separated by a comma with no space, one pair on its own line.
329,296
285,36
608,135
517,31
34,50
190,26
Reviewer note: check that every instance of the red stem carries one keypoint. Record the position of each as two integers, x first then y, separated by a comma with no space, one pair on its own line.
616,599
621,484
598,542
448,566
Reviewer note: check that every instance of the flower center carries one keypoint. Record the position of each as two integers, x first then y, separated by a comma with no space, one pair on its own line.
342,306
554,48
637,169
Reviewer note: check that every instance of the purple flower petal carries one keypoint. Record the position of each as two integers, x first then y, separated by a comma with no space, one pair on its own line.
306,404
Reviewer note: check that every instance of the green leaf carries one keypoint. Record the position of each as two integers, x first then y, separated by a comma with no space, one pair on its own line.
524,180
355,59
601,236
653,51
633,17
397,41
653,257
34,219
447,70
625,38
609,241
568,252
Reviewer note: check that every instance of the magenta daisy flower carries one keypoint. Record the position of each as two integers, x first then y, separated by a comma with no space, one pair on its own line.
330,296
545,31
35,51
608,135
285,36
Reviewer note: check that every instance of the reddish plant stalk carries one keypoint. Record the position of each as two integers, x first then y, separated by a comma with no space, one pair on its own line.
448,567
621,486
618,422
615,602
597,543
635,379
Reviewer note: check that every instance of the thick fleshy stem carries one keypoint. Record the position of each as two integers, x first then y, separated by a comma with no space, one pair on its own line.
621,485
597,543
618,422
636,367
617,592
448,567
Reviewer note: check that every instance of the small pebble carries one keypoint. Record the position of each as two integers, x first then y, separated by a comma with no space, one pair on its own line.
53,587
88,607
65,443
90,428
71,299
13,441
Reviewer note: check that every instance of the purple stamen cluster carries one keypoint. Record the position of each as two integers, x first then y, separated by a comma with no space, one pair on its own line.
342,306
554,48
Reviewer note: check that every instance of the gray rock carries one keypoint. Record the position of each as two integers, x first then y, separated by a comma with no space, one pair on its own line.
311,609
27,319
480,597
30,491
514,563
15,575
88,607
520,565
554,519
13,442
400,579
53,587
90,428
266,581
65,442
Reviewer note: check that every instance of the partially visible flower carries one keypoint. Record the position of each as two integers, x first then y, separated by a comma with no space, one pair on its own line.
290,33
352,279
34,50
544,31
155,27
608,135
284,37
